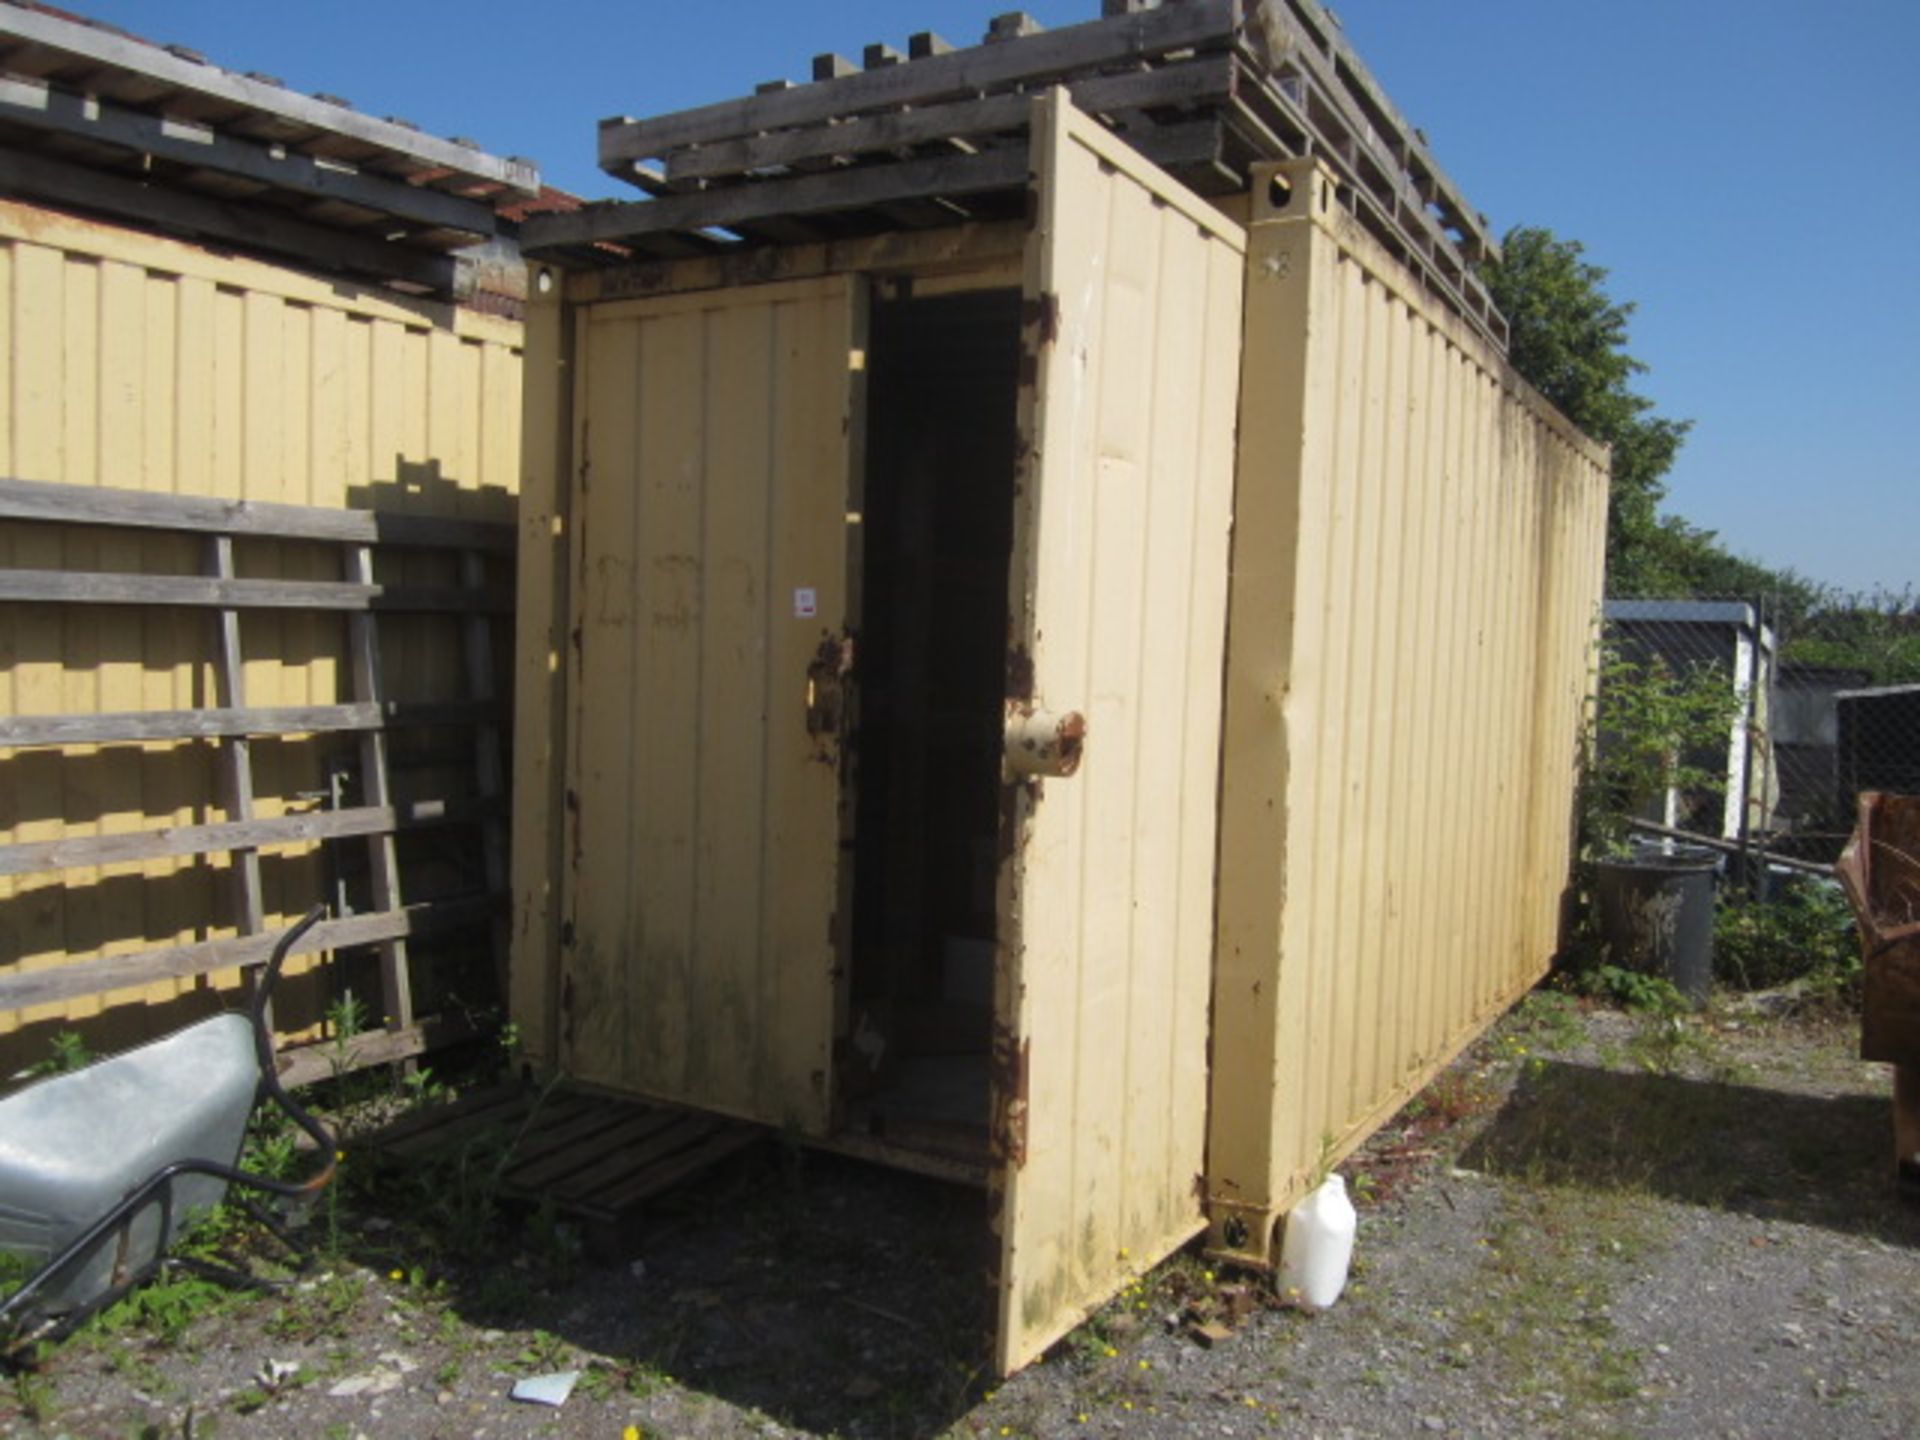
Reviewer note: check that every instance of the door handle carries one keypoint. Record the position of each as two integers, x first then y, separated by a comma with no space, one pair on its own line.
1044,742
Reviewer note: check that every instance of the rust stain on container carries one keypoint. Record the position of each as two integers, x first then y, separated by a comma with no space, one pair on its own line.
1010,1072
1020,674
1040,316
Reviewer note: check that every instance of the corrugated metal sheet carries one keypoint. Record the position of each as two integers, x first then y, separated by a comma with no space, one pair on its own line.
1417,563
703,847
136,362
1118,600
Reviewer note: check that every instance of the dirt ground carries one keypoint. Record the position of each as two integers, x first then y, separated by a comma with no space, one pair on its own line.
1593,1224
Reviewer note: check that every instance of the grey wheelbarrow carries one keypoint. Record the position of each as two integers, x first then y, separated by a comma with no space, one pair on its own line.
102,1168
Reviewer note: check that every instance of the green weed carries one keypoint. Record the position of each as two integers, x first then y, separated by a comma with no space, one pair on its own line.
33,1393
70,1053
545,1352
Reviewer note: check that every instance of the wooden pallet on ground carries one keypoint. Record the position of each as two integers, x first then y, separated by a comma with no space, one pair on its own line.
595,1158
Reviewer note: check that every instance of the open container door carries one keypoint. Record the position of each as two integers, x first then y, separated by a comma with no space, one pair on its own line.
1117,629
710,647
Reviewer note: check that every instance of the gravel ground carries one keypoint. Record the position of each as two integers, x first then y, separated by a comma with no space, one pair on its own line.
1593,1224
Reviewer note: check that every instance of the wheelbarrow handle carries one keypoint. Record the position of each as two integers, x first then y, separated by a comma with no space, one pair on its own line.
270,1072
283,947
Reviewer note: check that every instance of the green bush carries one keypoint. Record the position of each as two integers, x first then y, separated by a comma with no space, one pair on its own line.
1805,931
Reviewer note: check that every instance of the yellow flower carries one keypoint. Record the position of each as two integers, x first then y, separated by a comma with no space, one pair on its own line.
632,1432
1145,1366
1126,1404
1081,1417
1111,1352
396,1275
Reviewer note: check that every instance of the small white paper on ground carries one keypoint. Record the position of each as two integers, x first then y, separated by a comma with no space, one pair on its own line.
546,1389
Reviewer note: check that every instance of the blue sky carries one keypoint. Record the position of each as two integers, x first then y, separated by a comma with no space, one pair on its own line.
1744,168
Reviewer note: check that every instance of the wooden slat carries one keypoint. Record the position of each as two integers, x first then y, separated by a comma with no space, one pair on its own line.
325,1060
1200,81
69,587
34,856
613,1142
122,55
502,1104
101,122
22,173
849,189
25,988
128,727
576,1118
236,751
363,648
656,1178
100,505
924,82
561,1109
1344,69
614,1161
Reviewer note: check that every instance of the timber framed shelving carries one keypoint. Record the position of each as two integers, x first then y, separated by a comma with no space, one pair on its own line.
935,136
476,555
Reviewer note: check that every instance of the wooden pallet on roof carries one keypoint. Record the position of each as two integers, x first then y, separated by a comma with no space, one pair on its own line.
1204,88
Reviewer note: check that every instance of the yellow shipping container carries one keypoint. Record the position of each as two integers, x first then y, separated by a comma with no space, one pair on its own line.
880,602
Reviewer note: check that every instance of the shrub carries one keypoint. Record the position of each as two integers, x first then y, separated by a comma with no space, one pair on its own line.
1805,931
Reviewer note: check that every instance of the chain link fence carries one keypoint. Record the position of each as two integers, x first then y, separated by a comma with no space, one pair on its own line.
1775,751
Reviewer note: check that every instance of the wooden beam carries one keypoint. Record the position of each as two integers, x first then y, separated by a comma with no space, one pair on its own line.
953,247
202,216
850,189
78,851
138,726
1200,81
383,861
952,76
1190,146
1350,73
77,587
151,510
39,105
1014,25
236,751
326,1060
71,981
171,72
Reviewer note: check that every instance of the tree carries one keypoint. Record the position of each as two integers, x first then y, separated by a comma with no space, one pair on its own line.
1568,337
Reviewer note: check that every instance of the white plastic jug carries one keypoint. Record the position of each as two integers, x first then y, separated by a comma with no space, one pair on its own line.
1318,1246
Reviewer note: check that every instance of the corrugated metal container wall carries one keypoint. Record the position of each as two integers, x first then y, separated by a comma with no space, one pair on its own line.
1120,552
142,363
1417,568
705,862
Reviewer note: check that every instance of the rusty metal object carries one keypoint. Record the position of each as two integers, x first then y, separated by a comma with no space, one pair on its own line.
1040,742
1880,871
1010,1072
827,677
